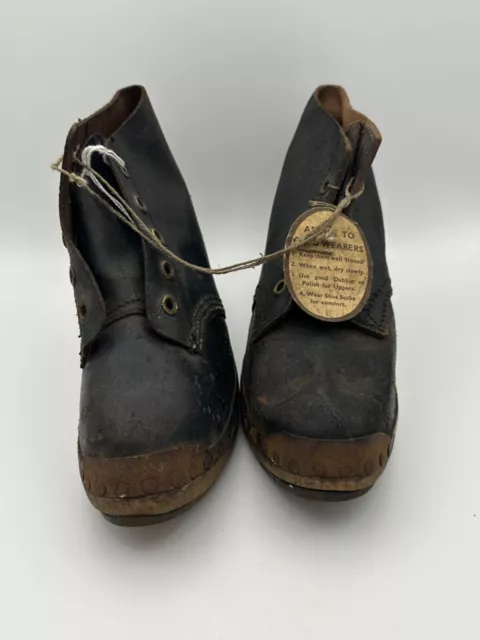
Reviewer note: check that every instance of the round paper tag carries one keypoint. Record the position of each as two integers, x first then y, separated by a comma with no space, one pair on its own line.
329,278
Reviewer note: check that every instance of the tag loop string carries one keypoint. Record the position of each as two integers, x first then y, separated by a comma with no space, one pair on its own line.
117,205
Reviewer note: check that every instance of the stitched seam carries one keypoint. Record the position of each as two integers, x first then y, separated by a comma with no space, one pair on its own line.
200,320
196,340
201,308
373,299
206,308
125,304
367,321
125,309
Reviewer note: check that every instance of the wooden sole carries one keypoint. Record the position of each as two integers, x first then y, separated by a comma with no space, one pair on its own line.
151,488
153,509
325,470
145,521
319,494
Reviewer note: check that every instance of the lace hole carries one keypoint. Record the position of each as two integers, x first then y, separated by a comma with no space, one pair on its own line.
139,202
169,305
168,270
158,236
279,287
325,186
73,279
82,311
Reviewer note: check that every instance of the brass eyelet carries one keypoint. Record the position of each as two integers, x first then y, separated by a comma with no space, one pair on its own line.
279,287
139,202
158,236
167,270
169,305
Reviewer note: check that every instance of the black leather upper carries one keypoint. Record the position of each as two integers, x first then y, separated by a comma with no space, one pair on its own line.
151,380
301,375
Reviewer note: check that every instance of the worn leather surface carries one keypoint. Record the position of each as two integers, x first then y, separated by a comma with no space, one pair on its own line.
151,380
302,376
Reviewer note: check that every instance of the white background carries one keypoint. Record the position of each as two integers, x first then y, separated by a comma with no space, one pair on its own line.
229,81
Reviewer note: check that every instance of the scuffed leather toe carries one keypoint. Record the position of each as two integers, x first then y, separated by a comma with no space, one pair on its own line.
320,381
315,420
174,397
